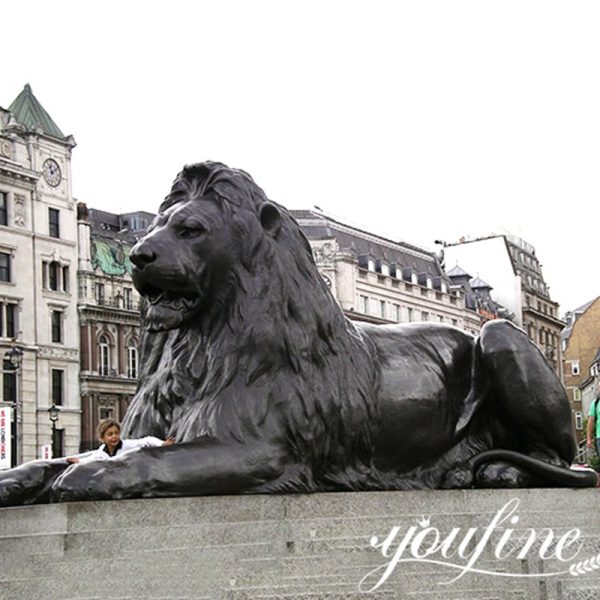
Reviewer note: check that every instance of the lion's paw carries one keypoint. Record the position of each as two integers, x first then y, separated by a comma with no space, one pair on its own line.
500,475
459,478
11,491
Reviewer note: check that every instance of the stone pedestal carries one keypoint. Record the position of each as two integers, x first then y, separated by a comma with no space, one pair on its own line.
300,547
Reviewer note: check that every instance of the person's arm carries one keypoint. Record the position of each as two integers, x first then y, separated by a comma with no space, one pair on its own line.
149,442
591,428
97,454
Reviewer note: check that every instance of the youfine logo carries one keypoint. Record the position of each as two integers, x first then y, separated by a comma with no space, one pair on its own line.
460,550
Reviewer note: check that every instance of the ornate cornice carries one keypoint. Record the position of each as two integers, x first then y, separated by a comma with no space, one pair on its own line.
56,353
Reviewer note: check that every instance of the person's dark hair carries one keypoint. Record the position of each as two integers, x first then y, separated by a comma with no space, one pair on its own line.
105,425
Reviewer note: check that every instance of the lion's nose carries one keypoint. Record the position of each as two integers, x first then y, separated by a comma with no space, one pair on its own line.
141,255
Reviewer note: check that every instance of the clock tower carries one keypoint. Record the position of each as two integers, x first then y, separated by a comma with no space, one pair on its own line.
38,280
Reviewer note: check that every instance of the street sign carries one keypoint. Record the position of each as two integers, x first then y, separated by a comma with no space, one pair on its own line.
5,437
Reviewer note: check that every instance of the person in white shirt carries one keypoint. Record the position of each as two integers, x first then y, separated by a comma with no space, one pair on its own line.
109,433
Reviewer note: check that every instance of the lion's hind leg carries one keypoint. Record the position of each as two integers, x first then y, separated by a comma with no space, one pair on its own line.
529,403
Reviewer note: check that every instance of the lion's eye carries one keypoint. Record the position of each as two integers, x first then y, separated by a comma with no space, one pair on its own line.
190,230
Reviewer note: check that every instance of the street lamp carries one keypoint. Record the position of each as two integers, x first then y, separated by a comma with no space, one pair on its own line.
53,416
14,357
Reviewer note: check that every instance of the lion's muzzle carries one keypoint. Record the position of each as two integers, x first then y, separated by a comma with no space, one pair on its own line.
141,255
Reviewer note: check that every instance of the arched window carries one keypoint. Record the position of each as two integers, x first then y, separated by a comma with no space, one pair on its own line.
103,355
132,361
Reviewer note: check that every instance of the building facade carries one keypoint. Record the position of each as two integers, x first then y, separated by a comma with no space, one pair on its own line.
381,281
581,359
109,310
38,279
513,270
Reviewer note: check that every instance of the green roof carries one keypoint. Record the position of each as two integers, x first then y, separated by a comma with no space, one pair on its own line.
111,257
29,112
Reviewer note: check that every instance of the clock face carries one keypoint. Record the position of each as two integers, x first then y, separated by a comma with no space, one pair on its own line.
51,172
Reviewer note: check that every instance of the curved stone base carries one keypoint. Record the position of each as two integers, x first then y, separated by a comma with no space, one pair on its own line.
295,547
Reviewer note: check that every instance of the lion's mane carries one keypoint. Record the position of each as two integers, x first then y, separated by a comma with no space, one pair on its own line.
274,353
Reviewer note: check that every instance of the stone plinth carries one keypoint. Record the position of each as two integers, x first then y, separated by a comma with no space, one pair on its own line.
292,547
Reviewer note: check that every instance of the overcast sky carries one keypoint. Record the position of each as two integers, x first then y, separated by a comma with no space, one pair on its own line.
415,120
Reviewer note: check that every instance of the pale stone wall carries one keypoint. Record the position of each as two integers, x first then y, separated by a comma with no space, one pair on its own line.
297,547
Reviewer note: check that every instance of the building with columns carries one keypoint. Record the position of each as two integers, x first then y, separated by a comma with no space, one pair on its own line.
382,281
38,280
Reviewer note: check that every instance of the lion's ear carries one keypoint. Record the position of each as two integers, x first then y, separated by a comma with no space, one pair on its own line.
270,219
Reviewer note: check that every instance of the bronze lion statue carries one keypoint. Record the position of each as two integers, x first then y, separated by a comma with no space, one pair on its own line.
248,361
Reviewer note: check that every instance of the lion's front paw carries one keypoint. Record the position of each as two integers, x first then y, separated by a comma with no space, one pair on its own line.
11,492
104,480
80,482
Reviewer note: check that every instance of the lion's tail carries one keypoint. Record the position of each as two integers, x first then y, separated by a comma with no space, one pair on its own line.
547,473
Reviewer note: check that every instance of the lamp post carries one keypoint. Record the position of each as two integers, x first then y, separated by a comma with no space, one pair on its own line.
13,359
53,416
14,356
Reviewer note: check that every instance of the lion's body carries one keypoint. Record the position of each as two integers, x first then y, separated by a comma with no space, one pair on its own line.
248,361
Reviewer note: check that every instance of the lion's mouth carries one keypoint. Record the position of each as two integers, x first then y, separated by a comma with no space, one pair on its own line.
168,309
173,300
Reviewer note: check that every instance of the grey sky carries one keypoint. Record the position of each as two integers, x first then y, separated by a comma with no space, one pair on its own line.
415,120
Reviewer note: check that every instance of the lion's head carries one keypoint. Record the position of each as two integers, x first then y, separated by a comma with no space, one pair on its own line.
243,336
209,226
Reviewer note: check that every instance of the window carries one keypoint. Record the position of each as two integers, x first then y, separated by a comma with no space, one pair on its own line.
440,318
57,332
103,355
578,419
57,386
424,316
5,266
53,222
364,304
99,289
576,395
106,412
595,370
382,308
128,298
132,362
65,279
53,269
574,367
3,208
58,442
410,313
8,319
397,312
9,383
455,322
55,277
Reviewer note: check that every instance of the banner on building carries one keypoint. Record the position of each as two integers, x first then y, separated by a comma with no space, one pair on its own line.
5,437
46,452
